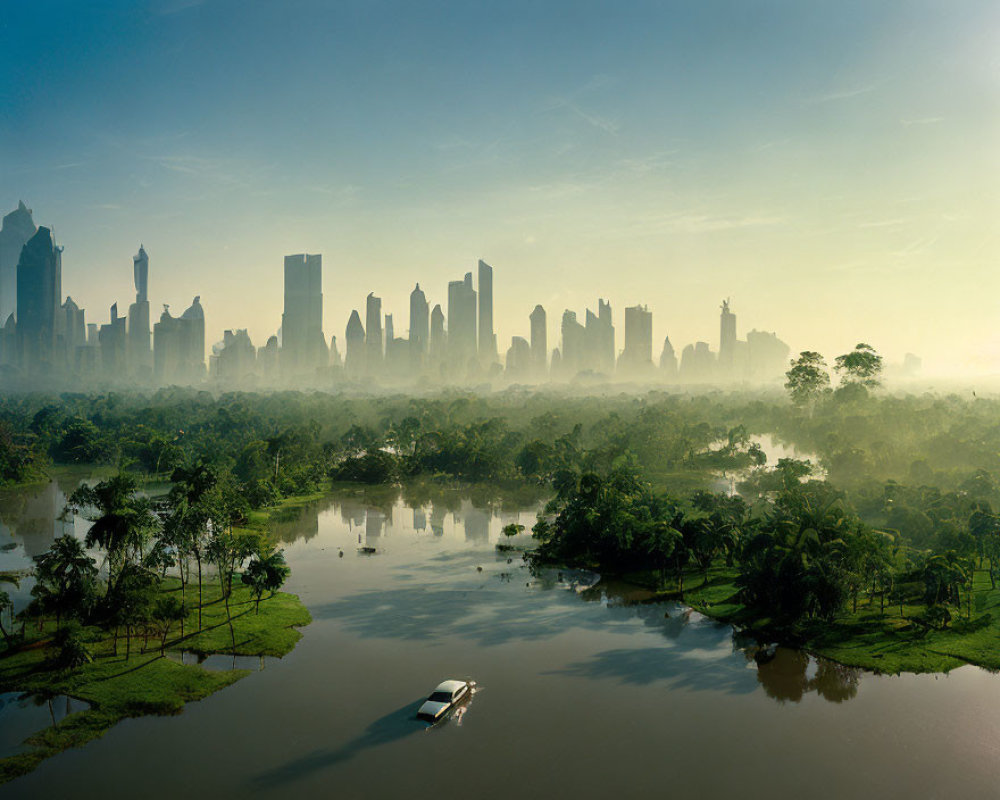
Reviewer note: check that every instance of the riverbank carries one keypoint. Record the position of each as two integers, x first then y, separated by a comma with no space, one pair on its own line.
147,682
889,640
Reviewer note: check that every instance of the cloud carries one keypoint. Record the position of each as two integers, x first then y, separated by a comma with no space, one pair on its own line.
841,94
922,121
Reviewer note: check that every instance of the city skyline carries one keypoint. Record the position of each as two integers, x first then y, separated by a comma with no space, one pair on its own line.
787,156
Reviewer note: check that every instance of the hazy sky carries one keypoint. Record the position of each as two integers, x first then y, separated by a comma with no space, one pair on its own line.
833,167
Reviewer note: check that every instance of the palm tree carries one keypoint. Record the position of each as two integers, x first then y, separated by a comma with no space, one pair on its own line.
266,572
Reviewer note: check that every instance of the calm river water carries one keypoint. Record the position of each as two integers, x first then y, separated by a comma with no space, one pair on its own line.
584,691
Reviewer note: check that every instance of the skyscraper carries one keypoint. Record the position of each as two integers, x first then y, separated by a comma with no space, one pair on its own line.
140,355
373,333
637,354
461,323
727,340
487,337
539,341
354,339
419,322
18,227
572,344
439,337
303,345
39,286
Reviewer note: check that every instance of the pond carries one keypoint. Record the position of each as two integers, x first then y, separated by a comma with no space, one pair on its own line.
587,690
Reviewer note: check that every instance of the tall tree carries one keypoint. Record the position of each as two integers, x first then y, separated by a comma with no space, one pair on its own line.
862,366
807,378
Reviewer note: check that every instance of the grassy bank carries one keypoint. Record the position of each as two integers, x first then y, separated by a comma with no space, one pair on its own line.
147,682
890,640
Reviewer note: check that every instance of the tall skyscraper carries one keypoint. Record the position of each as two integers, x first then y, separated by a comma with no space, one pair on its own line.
419,322
374,349
354,339
637,354
727,339
140,355
39,286
487,336
439,337
18,227
572,344
600,339
75,332
303,346
461,323
539,341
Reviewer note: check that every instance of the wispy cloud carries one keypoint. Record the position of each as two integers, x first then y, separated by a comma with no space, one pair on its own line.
882,223
595,120
841,94
922,121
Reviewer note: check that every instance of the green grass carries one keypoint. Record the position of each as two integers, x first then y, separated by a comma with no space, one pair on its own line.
869,638
146,683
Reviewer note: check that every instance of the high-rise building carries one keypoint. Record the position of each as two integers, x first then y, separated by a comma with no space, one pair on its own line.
75,332
439,337
303,346
17,228
461,323
39,286
179,345
539,341
518,359
114,345
140,355
637,355
573,352
599,343
668,361
487,337
419,322
354,339
374,349
727,339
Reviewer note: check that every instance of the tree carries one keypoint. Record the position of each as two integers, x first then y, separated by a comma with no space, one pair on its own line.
166,611
71,646
6,607
513,529
124,523
807,378
266,572
65,580
862,367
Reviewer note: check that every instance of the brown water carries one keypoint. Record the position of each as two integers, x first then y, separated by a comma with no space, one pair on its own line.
586,692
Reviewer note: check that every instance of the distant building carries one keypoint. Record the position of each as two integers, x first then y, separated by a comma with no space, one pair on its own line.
518,360
439,338
727,340
573,338
697,363
17,228
74,332
374,348
461,323
487,337
179,346
140,354
599,338
354,338
114,345
539,341
767,356
303,345
637,355
39,290
419,324
235,361
668,361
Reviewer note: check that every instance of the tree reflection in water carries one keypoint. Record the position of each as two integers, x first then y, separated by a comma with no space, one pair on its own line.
794,673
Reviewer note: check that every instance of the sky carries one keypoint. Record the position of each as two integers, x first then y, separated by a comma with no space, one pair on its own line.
831,167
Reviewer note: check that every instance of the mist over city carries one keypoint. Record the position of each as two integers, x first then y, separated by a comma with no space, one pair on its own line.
568,399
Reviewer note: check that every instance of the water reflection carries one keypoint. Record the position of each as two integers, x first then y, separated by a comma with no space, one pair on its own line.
24,714
791,674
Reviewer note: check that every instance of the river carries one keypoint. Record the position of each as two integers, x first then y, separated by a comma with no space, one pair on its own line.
585,690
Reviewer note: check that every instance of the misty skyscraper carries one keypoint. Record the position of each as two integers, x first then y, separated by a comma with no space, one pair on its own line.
487,337
461,322
539,340
638,351
302,342
140,355
18,227
727,338
39,286
419,322
373,332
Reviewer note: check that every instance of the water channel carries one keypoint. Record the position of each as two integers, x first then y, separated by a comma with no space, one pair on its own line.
586,691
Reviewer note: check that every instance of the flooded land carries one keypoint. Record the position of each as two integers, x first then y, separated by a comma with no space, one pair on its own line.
586,689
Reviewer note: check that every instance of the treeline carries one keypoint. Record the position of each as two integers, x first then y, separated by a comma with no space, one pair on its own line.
796,555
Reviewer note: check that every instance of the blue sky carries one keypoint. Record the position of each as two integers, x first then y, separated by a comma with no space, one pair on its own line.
832,167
